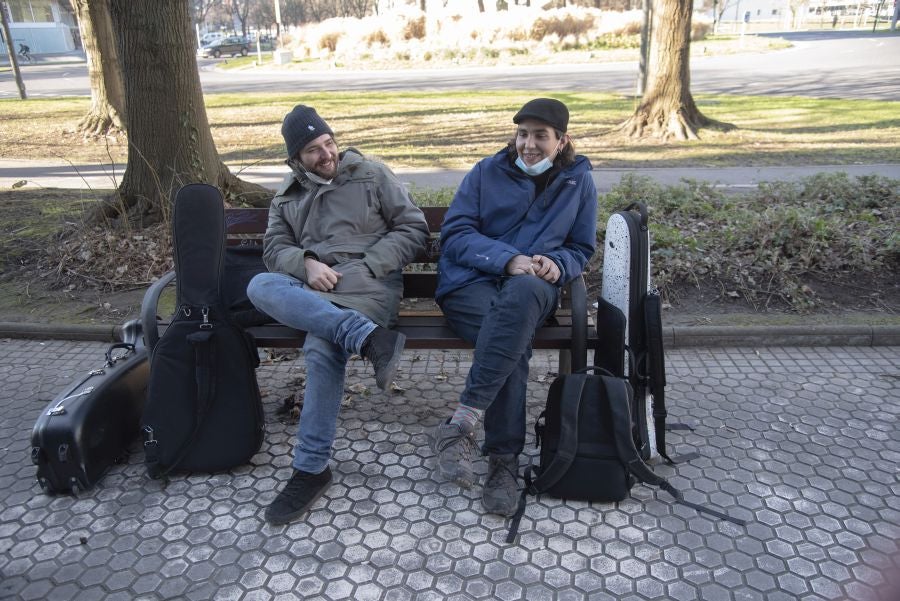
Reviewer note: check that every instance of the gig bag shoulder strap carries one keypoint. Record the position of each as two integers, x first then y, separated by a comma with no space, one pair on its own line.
618,395
205,381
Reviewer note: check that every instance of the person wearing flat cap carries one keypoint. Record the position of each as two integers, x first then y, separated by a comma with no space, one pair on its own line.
522,224
341,228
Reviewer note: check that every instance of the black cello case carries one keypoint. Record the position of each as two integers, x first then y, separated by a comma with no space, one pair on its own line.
89,425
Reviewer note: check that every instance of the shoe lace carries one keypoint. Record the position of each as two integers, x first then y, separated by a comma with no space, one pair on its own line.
464,440
500,475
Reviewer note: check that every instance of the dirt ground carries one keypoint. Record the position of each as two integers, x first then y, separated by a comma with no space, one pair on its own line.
34,289
26,296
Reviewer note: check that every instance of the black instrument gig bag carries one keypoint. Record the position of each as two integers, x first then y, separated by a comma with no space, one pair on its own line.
204,411
629,326
89,425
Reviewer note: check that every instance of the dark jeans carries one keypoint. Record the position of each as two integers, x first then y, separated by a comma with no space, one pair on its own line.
500,319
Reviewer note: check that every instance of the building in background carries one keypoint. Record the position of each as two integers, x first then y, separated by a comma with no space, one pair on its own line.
45,26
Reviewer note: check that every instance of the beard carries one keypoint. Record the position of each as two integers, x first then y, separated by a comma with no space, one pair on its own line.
326,169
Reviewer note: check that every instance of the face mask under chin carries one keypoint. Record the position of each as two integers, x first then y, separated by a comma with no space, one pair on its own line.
538,168
301,172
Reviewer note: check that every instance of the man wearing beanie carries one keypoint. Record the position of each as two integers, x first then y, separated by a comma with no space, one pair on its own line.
341,228
522,224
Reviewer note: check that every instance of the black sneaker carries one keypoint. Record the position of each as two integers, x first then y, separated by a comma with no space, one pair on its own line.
383,347
298,495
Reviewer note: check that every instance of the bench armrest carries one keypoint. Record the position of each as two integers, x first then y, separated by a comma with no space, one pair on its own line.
149,309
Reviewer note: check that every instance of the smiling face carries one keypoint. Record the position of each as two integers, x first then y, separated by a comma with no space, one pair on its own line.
536,140
320,156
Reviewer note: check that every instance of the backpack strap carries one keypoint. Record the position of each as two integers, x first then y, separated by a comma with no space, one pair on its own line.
570,403
618,393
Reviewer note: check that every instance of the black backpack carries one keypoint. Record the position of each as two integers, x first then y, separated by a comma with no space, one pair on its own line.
203,410
586,447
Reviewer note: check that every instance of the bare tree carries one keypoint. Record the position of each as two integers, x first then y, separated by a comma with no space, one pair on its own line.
356,8
293,12
169,140
263,14
667,109
201,8
241,9
107,111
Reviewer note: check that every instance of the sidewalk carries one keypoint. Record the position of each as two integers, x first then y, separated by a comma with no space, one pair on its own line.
60,174
802,442
59,58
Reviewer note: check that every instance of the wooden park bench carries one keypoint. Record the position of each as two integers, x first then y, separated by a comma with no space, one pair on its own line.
567,331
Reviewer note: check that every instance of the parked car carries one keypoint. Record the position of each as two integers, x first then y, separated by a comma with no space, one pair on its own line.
231,45
208,38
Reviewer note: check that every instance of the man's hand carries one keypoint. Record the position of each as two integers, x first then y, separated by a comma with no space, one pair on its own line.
538,265
545,268
320,276
520,265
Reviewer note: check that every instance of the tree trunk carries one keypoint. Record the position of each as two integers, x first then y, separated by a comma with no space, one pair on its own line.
667,109
11,53
107,112
169,140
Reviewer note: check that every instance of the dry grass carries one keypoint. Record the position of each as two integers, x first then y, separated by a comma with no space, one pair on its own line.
455,129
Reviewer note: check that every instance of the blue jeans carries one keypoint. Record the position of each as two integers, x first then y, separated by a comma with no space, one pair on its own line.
500,319
332,335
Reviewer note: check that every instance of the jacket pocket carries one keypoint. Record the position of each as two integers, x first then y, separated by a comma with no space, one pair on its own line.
356,278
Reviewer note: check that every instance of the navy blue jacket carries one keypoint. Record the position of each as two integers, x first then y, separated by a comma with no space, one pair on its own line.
495,216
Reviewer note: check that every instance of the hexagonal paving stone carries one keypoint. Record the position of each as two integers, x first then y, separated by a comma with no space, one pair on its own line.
786,439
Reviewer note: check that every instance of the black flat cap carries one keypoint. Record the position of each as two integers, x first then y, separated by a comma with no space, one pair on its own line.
548,110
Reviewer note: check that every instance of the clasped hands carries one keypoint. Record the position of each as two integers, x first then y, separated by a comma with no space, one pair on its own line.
320,276
539,265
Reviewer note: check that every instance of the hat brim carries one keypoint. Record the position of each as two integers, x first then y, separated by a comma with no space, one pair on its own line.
534,117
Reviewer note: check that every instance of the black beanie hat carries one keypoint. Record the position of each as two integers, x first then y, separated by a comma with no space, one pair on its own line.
548,110
300,126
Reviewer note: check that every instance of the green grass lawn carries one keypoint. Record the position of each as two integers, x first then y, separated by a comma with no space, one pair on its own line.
455,129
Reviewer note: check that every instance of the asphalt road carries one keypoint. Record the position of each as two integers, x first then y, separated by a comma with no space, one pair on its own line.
841,64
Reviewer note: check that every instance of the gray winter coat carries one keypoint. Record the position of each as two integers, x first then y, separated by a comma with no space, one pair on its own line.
363,225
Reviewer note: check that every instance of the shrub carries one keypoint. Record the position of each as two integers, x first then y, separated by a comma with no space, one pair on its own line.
764,245
329,40
414,29
377,37
699,30
614,40
562,26
632,28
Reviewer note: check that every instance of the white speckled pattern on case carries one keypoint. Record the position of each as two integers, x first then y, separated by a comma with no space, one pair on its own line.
615,289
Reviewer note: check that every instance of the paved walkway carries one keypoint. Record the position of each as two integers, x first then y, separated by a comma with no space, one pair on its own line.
60,174
802,442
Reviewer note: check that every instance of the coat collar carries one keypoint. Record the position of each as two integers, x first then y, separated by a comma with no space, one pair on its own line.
349,159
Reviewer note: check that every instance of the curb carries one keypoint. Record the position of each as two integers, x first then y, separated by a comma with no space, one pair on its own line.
673,336
50,331
763,336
